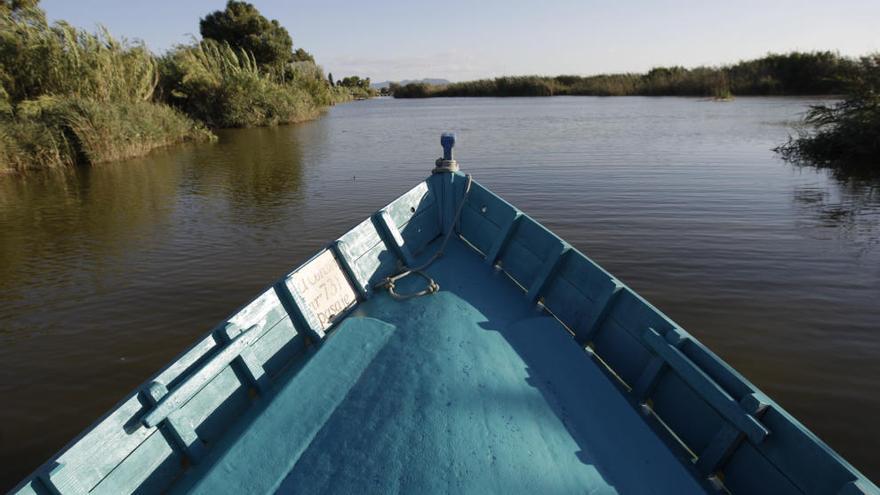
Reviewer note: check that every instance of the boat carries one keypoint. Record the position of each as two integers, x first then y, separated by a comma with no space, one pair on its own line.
447,344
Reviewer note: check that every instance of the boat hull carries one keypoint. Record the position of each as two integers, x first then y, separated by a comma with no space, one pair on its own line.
530,370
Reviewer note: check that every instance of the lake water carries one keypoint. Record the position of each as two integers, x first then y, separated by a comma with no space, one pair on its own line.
107,274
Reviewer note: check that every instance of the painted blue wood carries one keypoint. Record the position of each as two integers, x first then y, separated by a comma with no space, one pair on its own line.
365,252
478,231
412,221
181,434
504,232
728,437
530,250
487,220
350,270
706,387
276,437
166,437
198,380
546,271
392,237
580,295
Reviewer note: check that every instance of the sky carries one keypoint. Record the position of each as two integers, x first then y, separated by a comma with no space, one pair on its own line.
459,40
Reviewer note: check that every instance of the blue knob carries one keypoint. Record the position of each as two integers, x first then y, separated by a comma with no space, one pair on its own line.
447,140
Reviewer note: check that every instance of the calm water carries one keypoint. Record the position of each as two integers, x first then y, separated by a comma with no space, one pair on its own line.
107,274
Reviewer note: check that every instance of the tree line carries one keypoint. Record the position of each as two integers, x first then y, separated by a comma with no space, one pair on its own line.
796,73
70,97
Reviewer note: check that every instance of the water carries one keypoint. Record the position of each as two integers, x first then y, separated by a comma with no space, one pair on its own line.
106,274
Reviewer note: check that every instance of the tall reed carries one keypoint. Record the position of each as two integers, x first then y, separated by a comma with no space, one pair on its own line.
68,96
225,87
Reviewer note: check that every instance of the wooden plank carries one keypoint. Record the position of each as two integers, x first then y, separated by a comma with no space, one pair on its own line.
490,206
415,201
365,252
377,263
186,390
477,230
211,411
809,463
718,370
546,272
32,487
749,472
182,434
347,265
727,439
706,387
392,237
153,459
536,238
247,364
420,230
505,231
621,350
184,363
88,460
530,253
359,240
63,480
586,330
520,263
277,347
263,312
634,315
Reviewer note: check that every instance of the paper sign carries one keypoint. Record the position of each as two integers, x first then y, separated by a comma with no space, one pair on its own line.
324,289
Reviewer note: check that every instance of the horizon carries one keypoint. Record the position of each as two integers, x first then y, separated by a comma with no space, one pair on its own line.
440,42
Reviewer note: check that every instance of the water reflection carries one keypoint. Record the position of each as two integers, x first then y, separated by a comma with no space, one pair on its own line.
258,170
845,208
85,215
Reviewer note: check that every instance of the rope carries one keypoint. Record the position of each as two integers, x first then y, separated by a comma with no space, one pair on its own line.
388,282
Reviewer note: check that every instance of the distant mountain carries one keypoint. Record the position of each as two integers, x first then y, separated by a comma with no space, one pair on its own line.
385,84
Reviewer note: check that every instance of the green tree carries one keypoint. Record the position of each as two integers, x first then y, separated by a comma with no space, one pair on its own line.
301,55
243,27
330,79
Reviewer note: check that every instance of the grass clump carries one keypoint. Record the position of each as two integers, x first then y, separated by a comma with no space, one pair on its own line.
846,133
71,97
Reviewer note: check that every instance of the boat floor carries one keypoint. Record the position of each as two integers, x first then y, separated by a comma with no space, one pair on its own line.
464,391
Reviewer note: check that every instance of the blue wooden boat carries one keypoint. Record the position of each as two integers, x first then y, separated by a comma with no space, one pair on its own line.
451,344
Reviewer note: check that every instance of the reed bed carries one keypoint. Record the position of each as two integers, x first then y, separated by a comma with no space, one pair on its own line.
70,97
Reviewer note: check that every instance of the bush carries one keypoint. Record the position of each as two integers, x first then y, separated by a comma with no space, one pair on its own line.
846,133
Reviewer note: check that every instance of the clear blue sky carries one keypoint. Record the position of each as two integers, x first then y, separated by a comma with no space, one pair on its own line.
465,40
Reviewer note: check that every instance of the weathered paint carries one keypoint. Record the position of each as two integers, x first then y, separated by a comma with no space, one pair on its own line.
471,389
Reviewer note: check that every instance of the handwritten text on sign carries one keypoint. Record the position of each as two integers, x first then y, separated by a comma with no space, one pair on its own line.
324,288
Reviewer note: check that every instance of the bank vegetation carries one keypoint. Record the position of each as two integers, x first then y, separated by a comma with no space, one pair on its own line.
70,97
844,134
796,73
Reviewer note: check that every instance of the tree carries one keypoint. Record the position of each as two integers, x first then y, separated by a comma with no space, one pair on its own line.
330,79
301,55
355,82
242,26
